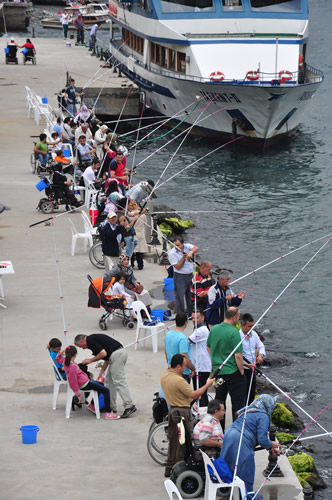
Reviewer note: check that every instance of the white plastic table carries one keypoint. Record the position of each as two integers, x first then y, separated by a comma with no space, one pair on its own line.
6,267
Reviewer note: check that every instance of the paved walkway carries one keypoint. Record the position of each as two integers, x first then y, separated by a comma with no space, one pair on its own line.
80,458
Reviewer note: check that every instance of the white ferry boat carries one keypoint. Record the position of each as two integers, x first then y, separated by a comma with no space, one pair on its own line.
242,60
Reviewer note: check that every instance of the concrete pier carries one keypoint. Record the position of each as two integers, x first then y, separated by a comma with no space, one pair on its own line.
80,458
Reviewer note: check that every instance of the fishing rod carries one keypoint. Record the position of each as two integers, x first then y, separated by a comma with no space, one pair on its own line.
137,118
273,303
76,209
313,420
183,132
281,257
201,212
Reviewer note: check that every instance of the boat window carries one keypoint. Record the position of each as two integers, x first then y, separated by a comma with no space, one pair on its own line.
187,5
232,4
181,66
276,5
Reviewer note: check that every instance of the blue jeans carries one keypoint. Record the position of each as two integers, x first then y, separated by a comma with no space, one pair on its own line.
131,243
71,108
43,158
100,388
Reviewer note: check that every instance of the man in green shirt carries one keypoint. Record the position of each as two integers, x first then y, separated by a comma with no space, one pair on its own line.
41,148
222,341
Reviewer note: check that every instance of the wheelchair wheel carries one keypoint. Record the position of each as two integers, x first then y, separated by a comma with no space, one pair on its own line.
190,484
33,163
158,443
47,207
96,255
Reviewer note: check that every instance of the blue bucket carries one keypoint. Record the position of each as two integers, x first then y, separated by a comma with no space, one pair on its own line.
25,50
41,185
29,434
44,100
168,284
6,49
157,314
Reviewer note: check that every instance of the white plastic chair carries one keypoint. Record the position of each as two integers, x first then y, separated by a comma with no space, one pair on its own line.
71,394
88,227
58,380
171,488
75,235
90,191
137,307
211,488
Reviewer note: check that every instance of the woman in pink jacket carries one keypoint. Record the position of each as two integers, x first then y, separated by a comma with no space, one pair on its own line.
78,380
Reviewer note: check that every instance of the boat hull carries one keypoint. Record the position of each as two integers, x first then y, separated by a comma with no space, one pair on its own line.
261,114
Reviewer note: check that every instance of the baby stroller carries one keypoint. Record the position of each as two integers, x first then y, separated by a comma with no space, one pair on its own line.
11,54
56,196
100,295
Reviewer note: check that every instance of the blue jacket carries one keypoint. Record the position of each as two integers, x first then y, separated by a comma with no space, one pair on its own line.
217,304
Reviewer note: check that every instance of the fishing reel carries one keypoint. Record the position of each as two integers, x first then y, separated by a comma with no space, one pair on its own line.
219,382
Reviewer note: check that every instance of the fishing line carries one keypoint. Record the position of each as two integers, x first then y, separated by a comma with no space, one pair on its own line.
195,310
134,119
313,420
179,146
199,159
281,257
203,212
183,132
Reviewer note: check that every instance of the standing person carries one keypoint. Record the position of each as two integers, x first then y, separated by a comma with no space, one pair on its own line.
100,138
180,257
115,358
221,297
253,353
221,342
71,95
179,396
199,354
118,172
141,247
65,22
200,285
257,424
111,240
79,25
177,343
128,233
93,36
78,380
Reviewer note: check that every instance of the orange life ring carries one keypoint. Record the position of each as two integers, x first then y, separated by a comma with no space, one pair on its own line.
285,76
300,62
252,75
217,76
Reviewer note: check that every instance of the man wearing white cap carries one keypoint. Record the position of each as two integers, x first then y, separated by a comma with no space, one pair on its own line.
112,240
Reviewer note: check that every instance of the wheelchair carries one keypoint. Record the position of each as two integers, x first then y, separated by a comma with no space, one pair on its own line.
29,56
57,196
36,166
11,55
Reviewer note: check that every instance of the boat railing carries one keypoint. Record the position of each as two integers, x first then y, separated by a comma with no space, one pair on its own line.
305,76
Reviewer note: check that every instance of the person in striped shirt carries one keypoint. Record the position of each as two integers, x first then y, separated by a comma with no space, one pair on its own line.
208,432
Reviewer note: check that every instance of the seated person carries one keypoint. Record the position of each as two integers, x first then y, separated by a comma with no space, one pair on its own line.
54,347
61,184
67,132
30,47
57,140
41,148
123,268
85,131
90,173
12,47
119,289
207,432
85,152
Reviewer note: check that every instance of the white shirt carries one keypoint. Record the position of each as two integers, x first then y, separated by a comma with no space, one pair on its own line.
89,175
79,132
199,354
250,344
175,255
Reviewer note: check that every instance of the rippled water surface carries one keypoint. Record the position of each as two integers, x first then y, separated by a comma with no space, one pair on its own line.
289,189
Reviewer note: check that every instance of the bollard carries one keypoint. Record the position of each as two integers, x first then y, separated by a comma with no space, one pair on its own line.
308,492
164,255
272,459
155,240
90,45
33,32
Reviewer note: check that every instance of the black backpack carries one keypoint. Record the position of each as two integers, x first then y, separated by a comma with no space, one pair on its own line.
159,409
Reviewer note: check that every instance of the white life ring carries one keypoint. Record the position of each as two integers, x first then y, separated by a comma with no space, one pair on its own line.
285,76
252,75
217,76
